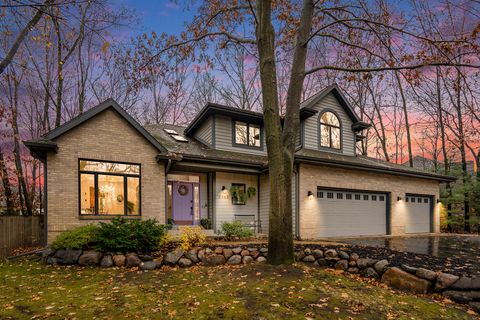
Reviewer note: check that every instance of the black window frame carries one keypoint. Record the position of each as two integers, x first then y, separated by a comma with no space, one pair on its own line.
125,189
329,126
247,145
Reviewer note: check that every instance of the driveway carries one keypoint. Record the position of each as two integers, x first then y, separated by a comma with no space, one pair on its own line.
457,251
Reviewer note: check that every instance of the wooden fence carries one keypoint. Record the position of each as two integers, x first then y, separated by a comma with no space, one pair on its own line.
19,231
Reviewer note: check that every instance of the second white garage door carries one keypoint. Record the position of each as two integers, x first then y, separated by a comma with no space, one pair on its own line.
349,213
417,215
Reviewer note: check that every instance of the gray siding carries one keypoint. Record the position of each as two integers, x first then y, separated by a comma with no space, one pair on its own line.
204,133
265,202
311,134
223,137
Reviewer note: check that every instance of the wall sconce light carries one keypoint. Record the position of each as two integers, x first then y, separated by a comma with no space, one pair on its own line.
310,194
399,198
223,188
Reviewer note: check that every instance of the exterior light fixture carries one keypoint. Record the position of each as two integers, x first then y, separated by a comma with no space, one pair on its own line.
399,198
439,201
310,194
223,188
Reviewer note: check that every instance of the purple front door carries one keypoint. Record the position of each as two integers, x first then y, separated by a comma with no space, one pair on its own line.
182,203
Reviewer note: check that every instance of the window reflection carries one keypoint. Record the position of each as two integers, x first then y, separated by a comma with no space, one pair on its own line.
247,134
87,193
330,131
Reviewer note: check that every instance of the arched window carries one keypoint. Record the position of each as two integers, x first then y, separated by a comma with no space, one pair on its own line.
330,131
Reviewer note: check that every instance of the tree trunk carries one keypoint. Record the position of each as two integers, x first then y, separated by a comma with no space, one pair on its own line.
281,141
7,189
407,124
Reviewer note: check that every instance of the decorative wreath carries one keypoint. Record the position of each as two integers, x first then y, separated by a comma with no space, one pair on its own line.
119,198
183,190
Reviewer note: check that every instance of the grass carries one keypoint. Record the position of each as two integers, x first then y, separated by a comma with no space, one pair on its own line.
29,290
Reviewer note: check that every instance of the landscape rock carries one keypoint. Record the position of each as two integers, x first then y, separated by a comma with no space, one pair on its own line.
252,249
400,279
237,250
263,250
132,260
444,281
362,263
354,256
309,258
371,262
245,253
317,253
145,257
353,270
67,256
255,254
426,274
299,255
173,256
184,262
158,261
119,260
467,283
218,250
370,273
307,251
51,260
330,253
475,306
235,259
462,296
201,254
247,259
214,259
343,255
192,255
227,253
90,258
409,269
352,263
380,266
148,265
47,252
107,261
341,265
261,259
322,262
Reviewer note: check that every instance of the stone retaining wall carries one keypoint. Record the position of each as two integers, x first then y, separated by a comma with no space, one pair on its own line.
418,280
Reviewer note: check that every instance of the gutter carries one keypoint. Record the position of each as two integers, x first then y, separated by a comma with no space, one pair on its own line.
391,171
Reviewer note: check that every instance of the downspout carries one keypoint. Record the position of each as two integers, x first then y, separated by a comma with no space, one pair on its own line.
45,203
297,202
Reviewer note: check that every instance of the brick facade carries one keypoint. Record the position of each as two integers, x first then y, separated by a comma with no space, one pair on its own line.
108,137
312,176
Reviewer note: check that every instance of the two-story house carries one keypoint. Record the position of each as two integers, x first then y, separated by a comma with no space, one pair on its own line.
104,164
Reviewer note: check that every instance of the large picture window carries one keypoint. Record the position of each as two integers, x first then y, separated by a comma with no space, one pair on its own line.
247,134
330,131
109,188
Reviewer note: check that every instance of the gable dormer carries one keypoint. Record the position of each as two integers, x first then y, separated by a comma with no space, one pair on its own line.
330,124
230,129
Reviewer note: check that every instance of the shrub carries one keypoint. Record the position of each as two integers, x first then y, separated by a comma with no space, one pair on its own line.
78,238
236,229
206,223
191,237
166,240
122,235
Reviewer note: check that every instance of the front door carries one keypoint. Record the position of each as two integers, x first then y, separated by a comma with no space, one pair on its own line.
182,202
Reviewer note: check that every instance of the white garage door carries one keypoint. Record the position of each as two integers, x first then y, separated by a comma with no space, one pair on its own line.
417,215
347,213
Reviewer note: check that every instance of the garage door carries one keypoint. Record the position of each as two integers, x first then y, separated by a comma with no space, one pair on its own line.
349,213
417,218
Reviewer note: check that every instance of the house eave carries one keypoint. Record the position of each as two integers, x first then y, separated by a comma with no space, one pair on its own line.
371,168
39,150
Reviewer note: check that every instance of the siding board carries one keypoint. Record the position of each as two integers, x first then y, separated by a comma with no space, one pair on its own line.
311,126
204,133
223,137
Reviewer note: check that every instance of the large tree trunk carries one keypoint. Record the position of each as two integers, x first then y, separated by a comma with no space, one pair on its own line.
281,141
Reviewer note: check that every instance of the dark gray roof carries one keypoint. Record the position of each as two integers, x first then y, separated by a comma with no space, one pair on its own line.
196,150
365,163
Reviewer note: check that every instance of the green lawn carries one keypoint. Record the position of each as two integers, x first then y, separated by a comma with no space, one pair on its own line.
29,290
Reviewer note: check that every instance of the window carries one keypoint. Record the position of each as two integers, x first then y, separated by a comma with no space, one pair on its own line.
339,195
425,200
365,197
357,197
349,196
247,134
319,194
238,193
381,198
374,198
109,188
330,131
330,195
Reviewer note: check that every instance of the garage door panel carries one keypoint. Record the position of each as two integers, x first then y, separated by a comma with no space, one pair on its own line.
347,213
417,214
